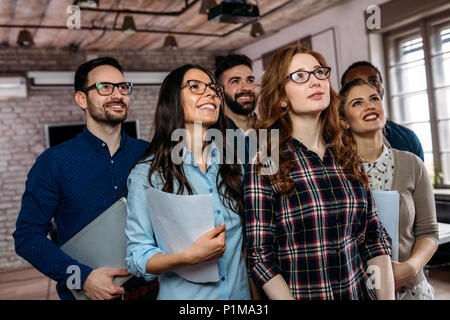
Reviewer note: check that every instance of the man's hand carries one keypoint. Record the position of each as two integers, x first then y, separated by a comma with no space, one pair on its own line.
99,285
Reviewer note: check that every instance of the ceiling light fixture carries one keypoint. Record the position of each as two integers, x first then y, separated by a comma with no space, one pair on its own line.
128,27
257,30
92,4
170,43
25,39
206,6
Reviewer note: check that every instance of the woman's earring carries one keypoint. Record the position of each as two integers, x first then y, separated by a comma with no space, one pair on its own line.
344,124
283,106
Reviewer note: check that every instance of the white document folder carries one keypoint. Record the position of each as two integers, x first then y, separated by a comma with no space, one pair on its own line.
102,243
179,220
387,203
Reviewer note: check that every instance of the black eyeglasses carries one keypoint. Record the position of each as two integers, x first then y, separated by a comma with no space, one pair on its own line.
199,87
321,73
107,88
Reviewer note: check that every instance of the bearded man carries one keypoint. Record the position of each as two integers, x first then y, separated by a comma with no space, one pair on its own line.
75,181
235,73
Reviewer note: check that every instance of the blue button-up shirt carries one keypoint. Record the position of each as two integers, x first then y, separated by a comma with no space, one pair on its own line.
233,280
73,183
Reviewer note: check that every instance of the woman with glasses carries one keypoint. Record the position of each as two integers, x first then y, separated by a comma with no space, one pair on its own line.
189,95
391,169
311,226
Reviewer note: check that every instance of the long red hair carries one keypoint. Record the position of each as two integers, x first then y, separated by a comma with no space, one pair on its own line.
274,115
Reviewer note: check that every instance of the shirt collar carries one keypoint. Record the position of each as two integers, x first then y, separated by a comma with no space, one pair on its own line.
214,155
99,143
295,144
383,160
232,124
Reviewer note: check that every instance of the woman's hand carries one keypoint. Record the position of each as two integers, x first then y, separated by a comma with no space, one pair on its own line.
403,272
211,245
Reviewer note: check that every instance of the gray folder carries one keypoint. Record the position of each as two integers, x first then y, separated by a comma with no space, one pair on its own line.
102,243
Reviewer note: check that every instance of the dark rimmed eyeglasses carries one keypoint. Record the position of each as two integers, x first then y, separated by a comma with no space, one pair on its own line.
199,87
107,88
321,73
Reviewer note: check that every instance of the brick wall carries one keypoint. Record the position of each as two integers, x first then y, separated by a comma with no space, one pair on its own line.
22,121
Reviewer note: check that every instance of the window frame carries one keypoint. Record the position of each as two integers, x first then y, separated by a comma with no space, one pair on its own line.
423,28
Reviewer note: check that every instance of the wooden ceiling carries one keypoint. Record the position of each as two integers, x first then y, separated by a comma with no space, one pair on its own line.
275,15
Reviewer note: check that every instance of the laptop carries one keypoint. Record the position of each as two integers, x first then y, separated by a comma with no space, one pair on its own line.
102,243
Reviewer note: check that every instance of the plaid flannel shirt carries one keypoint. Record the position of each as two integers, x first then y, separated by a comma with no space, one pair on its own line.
319,239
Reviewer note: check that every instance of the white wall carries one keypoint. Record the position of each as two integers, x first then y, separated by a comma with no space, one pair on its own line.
347,20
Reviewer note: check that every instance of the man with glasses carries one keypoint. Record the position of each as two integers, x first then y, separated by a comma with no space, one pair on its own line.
77,180
235,73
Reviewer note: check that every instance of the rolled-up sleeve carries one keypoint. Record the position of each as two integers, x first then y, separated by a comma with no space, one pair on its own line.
141,245
260,227
374,241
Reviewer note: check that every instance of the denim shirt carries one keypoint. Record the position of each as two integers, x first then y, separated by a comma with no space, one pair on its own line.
141,245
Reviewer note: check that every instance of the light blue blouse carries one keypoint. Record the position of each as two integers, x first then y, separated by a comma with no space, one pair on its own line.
141,246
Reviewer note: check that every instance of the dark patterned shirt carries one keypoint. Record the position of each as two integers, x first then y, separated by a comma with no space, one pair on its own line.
73,183
319,239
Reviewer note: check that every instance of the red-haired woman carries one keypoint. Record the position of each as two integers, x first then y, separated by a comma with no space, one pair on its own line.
311,225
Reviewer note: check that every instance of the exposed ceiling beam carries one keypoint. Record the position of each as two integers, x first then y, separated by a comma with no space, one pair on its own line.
151,30
25,26
187,6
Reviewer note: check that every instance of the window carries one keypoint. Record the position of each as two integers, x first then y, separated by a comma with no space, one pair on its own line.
418,67
440,59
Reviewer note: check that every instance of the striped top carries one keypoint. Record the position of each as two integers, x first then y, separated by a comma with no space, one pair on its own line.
319,239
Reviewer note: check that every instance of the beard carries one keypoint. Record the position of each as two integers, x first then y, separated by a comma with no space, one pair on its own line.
106,115
238,108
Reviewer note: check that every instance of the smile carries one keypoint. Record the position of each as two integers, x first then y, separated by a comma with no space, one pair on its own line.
245,98
117,107
207,106
370,117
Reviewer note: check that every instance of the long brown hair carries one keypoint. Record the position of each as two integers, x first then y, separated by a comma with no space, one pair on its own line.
169,116
274,115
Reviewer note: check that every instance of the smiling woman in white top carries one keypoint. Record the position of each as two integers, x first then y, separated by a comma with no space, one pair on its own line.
363,118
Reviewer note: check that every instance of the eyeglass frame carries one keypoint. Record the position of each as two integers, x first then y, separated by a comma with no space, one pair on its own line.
218,85
289,76
94,86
